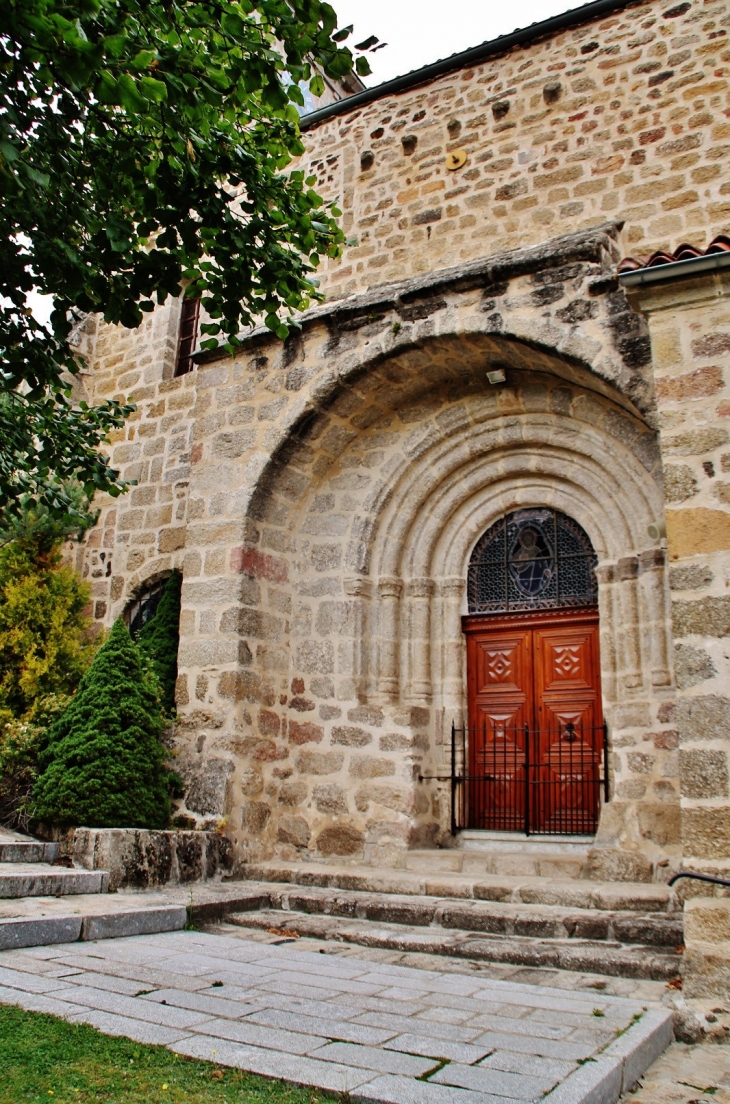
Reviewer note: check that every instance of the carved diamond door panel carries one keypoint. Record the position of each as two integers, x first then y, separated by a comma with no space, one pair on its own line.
566,675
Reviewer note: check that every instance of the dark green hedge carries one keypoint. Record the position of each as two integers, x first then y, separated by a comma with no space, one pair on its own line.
103,763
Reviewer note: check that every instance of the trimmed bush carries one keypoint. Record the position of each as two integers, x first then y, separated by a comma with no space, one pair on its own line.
103,763
160,638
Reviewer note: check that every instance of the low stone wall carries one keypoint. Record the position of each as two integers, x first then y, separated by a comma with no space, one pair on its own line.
706,962
138,858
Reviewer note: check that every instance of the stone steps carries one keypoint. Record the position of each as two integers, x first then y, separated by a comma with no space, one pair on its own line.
592,956
487,917
534,863
22,879
27,851
582,894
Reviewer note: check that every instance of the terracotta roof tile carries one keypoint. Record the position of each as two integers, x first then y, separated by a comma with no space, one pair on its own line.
683,252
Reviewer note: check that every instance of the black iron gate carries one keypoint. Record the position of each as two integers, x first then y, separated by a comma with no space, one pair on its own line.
529,781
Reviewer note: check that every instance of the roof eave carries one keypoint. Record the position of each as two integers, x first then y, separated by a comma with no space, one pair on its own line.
694,266
473,56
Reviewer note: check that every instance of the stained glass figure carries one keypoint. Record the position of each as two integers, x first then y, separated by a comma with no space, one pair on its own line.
532,559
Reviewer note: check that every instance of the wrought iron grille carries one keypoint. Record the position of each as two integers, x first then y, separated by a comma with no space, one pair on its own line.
144,608
529,781
532,559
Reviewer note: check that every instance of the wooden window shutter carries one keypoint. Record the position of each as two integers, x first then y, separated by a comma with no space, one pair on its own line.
188,337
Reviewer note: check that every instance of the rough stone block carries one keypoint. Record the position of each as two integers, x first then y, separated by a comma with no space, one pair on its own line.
707,920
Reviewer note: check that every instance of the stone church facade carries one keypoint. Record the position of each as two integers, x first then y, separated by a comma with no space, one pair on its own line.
479,357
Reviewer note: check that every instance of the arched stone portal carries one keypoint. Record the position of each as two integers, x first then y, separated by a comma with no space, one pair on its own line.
373,510
337,485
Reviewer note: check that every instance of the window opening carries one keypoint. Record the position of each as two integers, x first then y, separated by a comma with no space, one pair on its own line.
144,608
188,337
532,559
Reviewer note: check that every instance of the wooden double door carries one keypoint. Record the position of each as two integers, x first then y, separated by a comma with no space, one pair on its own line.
535,738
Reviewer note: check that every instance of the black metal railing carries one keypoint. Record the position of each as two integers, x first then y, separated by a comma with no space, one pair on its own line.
711,878
532,781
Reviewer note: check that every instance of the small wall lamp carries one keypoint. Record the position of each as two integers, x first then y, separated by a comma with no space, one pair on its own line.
496,375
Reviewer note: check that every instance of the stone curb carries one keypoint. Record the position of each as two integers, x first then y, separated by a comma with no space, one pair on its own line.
596,1082
642,1044
39,932
32,932
148,921
620,1065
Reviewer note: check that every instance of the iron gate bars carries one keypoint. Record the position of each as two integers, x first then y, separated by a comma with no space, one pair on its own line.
517,779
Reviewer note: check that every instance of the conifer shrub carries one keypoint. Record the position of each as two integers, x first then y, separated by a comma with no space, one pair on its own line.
102,765
159,639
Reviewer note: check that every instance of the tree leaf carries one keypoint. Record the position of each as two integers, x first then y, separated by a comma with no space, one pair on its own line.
154,90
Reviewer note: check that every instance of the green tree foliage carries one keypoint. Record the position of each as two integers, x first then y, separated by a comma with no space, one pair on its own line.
103,763
160,637
45,646
143,146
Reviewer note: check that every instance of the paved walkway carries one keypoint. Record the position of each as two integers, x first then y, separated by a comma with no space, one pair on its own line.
379,1031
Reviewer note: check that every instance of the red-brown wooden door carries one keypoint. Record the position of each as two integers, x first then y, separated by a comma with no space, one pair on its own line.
535,721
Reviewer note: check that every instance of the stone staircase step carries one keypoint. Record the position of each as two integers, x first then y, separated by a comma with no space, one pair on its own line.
584,894
533,863
488,842
21,879
495,918
68,927
607,958
27,851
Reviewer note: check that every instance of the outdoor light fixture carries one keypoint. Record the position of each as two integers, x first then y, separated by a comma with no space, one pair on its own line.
497,375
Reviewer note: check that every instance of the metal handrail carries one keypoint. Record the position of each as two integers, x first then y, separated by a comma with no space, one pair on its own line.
700,878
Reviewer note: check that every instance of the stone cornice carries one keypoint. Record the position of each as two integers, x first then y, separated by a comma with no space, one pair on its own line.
597,244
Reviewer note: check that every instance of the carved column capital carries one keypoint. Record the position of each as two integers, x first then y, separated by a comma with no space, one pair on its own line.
390,586
357,586
419,588
452,587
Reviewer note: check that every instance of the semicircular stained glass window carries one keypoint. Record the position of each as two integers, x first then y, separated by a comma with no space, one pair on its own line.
532,559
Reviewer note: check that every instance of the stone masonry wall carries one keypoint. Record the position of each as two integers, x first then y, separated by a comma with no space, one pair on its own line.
690,331
321,499
321,661
625,117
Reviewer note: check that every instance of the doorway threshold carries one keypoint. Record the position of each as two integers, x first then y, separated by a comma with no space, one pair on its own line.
476,839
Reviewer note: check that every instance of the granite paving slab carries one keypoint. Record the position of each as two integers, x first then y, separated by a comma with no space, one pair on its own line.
383,1032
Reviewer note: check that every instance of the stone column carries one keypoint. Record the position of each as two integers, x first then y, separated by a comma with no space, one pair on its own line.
420,592
390,589
651,565
359,590
627,571
606,576
452,646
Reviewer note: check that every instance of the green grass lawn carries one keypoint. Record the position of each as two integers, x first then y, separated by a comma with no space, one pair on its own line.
43,1058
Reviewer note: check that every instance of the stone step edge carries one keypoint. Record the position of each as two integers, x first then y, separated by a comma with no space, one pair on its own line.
447,914
621,1065
583,956
32,851
32,931
536,891
52,881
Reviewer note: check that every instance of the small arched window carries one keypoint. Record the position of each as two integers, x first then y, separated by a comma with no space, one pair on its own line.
532,559
144,607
